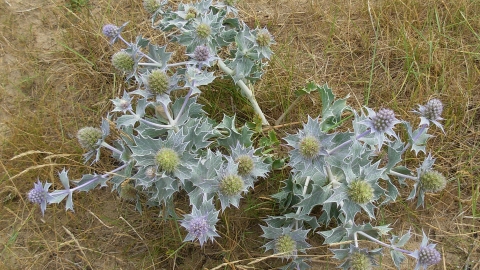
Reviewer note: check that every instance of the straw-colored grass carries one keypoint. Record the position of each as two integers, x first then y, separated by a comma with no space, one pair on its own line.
56,77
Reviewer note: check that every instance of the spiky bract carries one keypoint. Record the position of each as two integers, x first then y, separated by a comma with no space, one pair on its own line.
200,224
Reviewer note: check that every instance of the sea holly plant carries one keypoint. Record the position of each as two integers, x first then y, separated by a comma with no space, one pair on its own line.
345,162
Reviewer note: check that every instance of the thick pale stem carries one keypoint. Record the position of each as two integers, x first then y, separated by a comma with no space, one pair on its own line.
349,141
402,175
332,179
113,149
245,91
407,252
305,187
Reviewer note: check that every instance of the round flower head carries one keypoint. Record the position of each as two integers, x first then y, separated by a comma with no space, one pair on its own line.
383,120
158,82
88,137
201,53
123,61
203,30
360,261
151,5
191,13
285,241
231,185
432,181
167,159
263,38
309,145
431,112
249,165
360,192
170,157
245,165
357,189
200,224
356,258
286,245
426,255
427,180
39,195
110,30
381,123
128,191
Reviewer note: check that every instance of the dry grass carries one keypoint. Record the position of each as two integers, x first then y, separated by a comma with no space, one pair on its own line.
56,77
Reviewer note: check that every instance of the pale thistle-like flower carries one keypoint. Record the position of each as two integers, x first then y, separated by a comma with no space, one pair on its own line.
122,104
426,255
170,156
263,38
158,82
200,224
110,30
356,258
123,61
39,195
381,123
167,159
432,181
231,185
431,112
249,165
427,180
89,138
285,241
359,190
309,145
202,56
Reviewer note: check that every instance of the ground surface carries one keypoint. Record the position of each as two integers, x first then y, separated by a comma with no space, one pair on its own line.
56,77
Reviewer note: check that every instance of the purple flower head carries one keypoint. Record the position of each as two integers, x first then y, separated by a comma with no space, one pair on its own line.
202,56
426,255
110,30
381,123
431,112
39,195
200,224
201,53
